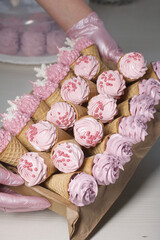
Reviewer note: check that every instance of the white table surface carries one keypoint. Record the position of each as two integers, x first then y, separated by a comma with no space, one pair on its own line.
136,214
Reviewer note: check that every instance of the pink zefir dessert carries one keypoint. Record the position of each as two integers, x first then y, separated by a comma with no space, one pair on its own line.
106,168
67,156
55,39
13,22
5,138
75,90
156,68
102,107
67,56
40,22
88,131
82,189
42,135
87,67
120,146
150,87
57,72
132,66
111,83
82,43
62,114
9,41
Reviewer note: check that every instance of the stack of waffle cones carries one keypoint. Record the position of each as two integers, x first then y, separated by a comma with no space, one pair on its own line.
41,112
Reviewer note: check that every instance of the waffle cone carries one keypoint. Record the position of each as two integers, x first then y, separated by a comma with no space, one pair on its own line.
79,110
124,108
87,165
92,50
48,161
63,141
54,97
41,112
61,135
69,75
93,89
150,73
100,148
112,127
103,68
22,137
131,91
59,183
12,153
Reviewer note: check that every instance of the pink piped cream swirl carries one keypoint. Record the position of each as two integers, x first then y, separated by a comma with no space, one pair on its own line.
67,56
106,168
75,90
32,168
67,157
102,107
62,114
5,138
82,189
57,72
156,68
133,128
150,87
132,65
42,135
111,83
86,66
88,131
82,43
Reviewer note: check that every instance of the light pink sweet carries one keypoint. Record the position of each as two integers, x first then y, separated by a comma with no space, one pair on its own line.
102,107
32,168
13,22
54,40
9,41
67,56
156,68
75,90
57,72
132,65
33,43
142,106
82,43
62,114
88,131
67,157
150,87
82,189
120,146
111,83
42,135
106,168
134,128
39,22
5,138
86,66
43,88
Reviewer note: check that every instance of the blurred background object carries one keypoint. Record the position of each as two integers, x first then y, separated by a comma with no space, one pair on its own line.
112,1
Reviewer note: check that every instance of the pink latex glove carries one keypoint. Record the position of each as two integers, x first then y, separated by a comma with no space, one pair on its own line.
93,28
11,201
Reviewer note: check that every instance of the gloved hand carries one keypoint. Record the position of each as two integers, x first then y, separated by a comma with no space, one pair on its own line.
93,28
11,201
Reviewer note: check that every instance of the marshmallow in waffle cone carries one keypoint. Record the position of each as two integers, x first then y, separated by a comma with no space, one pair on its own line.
124,108
79,110
69,75
59,183
150,73
112,127
63,141
87,165
131,91
13,151
100,148
54,97
41,112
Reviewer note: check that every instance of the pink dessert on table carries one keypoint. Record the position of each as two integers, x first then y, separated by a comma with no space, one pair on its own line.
62,114
9,41
13,22
86,66
54,40
82,189
88,131
43,88
106,168
150,87
57,72
32,168
142,106
41,22
67,56
102,107
120,146
133,128
132,65
33,43
111,83
5,138
67,157
42,135
75,90
156,68
82,43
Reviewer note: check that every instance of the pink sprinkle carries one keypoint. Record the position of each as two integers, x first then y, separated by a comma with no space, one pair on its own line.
68,146
63,159
70,151
59,113
36,169
64,164
33,176
68,160
88,133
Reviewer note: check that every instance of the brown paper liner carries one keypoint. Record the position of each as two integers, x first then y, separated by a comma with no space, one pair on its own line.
124,108
93,89
59,183
22,137
100,148
63,141
41,112
48,161
69,75
112,127
79,110
87,165
12,153
54,97
130,91
150,73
